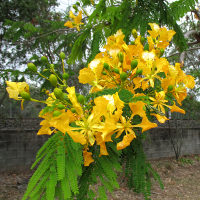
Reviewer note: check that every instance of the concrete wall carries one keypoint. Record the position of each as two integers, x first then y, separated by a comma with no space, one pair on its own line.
19,141
164,142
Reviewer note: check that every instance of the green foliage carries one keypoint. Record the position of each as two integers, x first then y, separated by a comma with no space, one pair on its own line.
138,170
180,7
103,92
103,171
60,164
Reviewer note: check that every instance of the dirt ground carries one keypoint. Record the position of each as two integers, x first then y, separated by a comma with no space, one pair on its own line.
180,178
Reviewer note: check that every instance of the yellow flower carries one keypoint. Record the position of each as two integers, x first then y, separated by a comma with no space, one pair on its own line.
76,20
114,43
15,88
179,93
87,128
124,125
45,129
159,101
162,35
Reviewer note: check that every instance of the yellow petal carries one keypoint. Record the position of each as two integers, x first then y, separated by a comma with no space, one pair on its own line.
87,158
160,118
73,99
120,105
103,150
175,108
189,81
146,124
71,14
69,24
77,137
86,75
127,139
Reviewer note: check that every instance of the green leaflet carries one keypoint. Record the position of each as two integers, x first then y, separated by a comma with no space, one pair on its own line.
51,184
65,188
60,160
78,50
97,37
103,92
102,193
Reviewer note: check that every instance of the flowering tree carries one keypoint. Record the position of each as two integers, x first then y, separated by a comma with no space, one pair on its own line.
131,88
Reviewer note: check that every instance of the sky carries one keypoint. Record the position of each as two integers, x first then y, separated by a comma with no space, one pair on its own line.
65,3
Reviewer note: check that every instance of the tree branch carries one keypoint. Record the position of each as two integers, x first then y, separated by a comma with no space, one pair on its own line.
178,53
187,35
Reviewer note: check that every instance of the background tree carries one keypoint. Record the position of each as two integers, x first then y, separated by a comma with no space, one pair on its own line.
31,30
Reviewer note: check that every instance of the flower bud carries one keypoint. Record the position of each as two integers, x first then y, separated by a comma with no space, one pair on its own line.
161,52
58,93
75,7
56,113
25,95
65,96
139,72
53,80
52,67
73,110
62,55
32,67
132,42
65,76
134,33
104,73
134,64
120,56
146,47
123,76
81,99
142,40
44,59
61,106
106,66
116,70
170,88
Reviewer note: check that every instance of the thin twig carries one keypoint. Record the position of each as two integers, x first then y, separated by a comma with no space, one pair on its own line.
178,53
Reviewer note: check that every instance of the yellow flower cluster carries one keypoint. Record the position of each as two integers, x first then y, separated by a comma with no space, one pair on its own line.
135,68
76,20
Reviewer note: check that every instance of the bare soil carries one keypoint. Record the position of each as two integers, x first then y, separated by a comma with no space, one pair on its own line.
180,178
